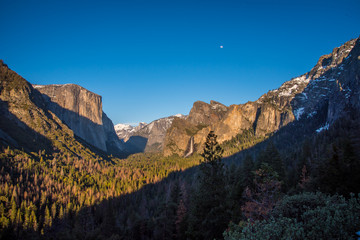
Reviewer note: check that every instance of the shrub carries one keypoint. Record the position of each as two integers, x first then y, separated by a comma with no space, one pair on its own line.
305,216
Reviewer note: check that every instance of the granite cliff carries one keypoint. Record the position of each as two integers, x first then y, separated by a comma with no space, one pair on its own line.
333,82
25,121
81,111
125,131
146,137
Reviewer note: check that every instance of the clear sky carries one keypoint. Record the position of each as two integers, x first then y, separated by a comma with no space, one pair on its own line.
151,59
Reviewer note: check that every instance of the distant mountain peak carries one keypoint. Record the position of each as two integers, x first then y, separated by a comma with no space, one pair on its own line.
149,136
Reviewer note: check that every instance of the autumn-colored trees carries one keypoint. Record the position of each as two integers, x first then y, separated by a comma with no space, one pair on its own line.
40,193
79,194
262,197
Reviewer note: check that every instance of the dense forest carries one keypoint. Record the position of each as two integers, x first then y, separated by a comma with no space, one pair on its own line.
304,188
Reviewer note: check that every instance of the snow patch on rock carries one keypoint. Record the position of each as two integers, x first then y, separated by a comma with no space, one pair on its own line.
325,127
298,113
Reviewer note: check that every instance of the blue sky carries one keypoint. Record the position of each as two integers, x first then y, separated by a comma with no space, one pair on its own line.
151,59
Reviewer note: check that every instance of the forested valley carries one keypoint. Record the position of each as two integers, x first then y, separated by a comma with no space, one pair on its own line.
277,188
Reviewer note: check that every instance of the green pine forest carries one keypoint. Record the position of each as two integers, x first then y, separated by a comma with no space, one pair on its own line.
289,185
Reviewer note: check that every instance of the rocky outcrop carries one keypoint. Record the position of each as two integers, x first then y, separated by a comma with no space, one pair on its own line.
81,111
334,81
204,113
125,131
25,122
113,144
146,137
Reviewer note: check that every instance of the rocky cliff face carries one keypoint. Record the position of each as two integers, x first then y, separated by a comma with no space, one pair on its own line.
113,144
125,131
155,133
334,81
204,113
81,111
146,137
25,122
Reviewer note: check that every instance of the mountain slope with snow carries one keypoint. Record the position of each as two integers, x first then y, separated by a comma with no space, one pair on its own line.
145,137
330,88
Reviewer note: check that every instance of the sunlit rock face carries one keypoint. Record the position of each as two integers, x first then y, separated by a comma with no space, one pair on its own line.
81,110
334,81
151,136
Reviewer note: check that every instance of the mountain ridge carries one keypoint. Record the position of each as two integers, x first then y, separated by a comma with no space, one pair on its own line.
81,110
333,82
278,107
31,121
146,137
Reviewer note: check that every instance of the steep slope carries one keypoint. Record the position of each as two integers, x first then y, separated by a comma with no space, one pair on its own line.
25,122
81,110
201,116
146,137
31,121
125,131
333,82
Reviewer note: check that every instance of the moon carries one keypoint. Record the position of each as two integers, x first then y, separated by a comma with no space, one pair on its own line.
221,46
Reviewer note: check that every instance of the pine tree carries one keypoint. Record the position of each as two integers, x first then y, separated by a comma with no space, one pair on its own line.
26,223
61,212
273,159
53,210
19,219
208,217
4,221
13,211
47,219
247,171
212,152
33,221
181,212
264,194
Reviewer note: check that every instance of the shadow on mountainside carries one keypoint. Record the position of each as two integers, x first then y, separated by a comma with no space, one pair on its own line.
329,100
89,133
17,134
146,212
136,144
286,137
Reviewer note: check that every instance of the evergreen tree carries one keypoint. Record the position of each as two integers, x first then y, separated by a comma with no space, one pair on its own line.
53,210
47,219
4,221
13,211
212,152
61,212
265,193
247,171
33,221
19,219
208,218
181,213
26,223
272,157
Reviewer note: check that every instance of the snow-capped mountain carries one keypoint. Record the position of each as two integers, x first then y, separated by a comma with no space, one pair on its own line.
124,131
331,80
326,92
145,137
